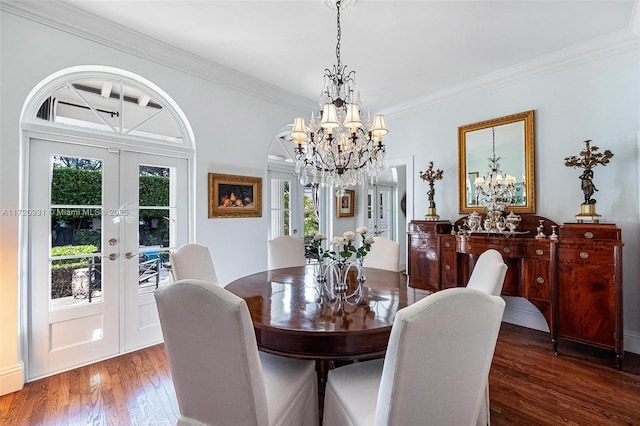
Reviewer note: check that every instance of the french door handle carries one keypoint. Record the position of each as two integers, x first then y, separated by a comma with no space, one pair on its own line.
130,255
111,256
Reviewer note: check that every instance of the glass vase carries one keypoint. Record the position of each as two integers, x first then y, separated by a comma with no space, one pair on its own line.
344,277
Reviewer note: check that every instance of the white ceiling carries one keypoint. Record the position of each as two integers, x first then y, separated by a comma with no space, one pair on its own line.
401,50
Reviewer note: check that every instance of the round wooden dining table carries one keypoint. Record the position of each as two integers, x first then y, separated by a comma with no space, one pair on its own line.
294,317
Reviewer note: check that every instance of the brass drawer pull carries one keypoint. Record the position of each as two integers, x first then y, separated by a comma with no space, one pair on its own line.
540,280
447,267
506,250
584,255
588,234
469,247
539,252
447,244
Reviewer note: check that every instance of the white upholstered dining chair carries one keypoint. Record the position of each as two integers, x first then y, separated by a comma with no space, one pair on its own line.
219,375
285,252
384,254
488,273
488,276
193,261
435,369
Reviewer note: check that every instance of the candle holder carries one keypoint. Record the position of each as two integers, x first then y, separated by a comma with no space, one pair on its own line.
430,176
540,230
587,160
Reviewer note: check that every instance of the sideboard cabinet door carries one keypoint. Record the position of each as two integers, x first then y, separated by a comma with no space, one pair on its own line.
424,253
448,269
590,286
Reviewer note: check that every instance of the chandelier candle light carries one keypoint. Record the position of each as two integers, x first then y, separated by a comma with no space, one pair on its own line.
337,149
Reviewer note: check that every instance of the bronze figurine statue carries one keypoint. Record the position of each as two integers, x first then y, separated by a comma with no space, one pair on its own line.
588,188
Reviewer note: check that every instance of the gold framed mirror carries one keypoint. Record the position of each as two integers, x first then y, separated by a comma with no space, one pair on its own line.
510,140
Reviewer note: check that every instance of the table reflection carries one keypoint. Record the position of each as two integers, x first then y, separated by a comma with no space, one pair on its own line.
295,316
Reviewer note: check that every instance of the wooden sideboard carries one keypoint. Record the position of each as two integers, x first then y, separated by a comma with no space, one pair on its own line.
575,281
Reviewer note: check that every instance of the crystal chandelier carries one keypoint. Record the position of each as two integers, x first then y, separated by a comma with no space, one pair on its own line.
337,149
495,191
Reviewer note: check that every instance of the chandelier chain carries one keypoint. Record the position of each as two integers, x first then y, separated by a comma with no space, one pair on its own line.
339,32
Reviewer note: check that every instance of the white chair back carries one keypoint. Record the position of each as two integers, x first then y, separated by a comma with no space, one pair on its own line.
438,359
285,252
434,372
193,261
219,376
384,254
488,276
488,273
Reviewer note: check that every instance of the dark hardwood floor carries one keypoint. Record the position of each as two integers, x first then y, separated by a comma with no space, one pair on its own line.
528,384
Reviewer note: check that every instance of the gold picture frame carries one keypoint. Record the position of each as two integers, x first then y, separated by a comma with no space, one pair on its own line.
514,142
345,204
234,196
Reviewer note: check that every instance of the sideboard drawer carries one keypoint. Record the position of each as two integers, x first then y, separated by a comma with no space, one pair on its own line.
432,227
506,249
448,243
424,242
538,251
586,255
590,231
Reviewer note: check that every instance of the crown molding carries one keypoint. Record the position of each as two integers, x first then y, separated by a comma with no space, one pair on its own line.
610,45
67,18
634,22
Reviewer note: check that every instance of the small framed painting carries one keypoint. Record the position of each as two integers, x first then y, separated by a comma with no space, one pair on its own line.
234,196
345,204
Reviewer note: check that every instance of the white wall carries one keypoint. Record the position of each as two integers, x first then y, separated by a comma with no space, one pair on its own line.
594,99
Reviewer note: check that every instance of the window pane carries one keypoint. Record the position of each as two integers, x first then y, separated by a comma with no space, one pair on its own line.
76,181
280,207
76,237
311,212
154,227
110,106
154,186
76,231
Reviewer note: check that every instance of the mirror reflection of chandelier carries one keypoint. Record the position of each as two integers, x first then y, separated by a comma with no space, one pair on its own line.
337,149
496,190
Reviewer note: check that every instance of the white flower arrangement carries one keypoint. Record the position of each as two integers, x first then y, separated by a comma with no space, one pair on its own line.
344,247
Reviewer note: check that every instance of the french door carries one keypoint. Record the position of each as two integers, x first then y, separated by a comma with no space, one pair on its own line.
285,201
295,209
101,224
380,210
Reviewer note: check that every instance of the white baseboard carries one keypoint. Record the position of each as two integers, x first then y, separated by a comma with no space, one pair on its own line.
11,379
632,342
521,316
525,318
